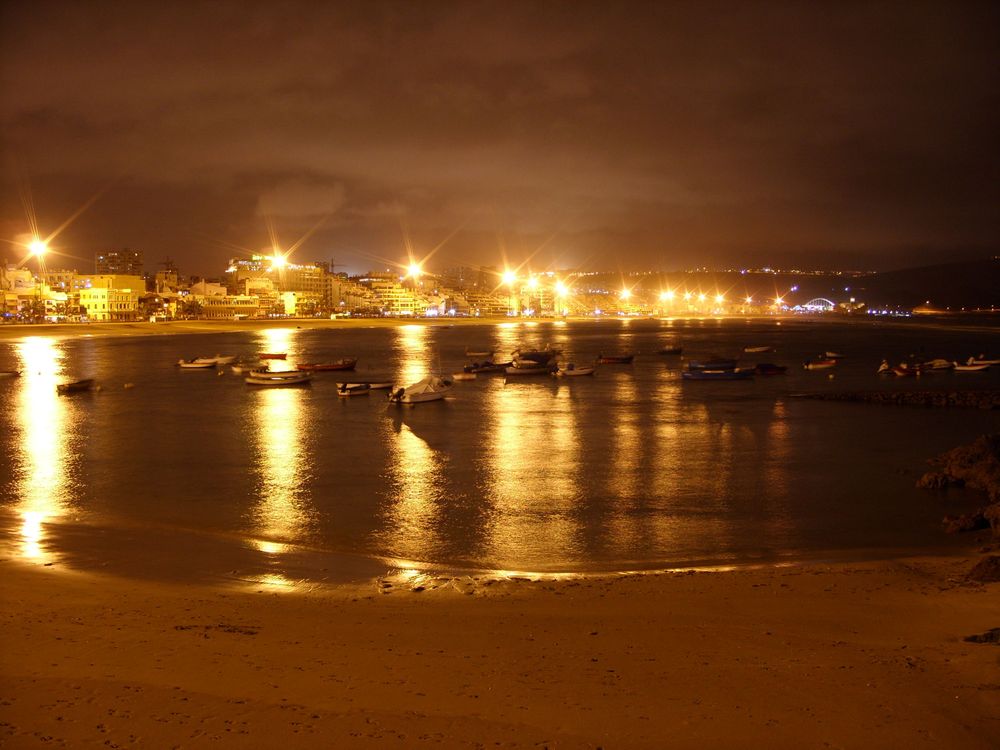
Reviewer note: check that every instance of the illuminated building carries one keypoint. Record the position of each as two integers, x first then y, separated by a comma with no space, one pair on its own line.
127,262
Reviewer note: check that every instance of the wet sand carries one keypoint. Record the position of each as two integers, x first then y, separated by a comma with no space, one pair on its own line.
844,655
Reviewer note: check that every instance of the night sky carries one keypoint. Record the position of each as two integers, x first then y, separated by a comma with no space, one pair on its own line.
611,136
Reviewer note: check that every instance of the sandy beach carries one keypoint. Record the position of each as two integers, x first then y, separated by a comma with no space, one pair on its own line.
850,655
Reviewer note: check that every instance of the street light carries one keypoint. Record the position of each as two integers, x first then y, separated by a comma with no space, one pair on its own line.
414,270
38,247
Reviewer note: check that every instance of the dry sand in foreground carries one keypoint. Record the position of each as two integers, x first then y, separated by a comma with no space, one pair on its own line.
866,655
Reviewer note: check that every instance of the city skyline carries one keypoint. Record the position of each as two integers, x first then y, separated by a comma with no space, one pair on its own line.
573,135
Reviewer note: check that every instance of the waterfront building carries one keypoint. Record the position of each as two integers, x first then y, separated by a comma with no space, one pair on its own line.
79,282
227,306
103,303
393,297
346,295
124,261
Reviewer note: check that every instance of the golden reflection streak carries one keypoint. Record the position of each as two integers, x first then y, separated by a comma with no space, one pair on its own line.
533,475
276,341
282,465
626,451
413,354
43,486
778,450
417,474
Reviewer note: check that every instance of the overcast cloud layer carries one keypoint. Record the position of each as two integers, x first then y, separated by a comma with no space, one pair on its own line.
610,135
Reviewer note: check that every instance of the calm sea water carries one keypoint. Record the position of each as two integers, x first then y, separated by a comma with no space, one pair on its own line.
197,473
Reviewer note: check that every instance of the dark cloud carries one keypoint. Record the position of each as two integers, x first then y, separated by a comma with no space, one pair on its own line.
631,134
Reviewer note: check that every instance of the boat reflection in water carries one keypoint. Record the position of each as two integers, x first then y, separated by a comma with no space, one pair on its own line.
46,463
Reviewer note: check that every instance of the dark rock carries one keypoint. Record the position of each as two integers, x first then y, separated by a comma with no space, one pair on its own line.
992,514
934,480
986,570
990,636
968,522
977,464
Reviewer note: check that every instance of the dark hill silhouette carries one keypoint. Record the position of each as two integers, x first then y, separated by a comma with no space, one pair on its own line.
969,285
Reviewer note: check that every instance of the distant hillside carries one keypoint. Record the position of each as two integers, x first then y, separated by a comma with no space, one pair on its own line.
971,284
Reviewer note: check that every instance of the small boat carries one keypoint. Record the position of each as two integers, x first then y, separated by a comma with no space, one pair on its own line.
572,370
77,386
353,389
819,364
935,364
670,350
430,388
196,364
487,367
463,375
10,373
758,349
970,368
284,377
244,367
728,374
833,355
615,359
347,363
376,386
218,359
529,369
981,360
767,369
537,356
273,355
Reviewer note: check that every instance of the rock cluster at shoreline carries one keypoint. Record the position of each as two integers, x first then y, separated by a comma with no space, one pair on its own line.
977,466
988,399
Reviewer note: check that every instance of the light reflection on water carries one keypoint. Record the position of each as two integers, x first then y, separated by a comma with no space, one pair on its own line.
45,478
630,465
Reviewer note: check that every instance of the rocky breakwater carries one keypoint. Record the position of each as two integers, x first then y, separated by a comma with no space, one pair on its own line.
978,399
976,466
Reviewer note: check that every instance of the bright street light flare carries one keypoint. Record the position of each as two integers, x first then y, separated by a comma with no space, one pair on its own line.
38,247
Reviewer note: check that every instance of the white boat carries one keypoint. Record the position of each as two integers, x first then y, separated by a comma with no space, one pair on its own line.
970,368
371,386
819,364
833,355
571,370
353,389
429,389
284,377
218,359
463,376
758,349
194,364
981,360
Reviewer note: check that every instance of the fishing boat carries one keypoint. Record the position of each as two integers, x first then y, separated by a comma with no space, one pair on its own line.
273,355
536,356
819,364
727,374
970,368
529,368
196,364
372,386
670,350
218,359
77,386
284,377
981,360
758,349
571,370
353,389
463,375
767,369
10,373
431,388
347,363
615,359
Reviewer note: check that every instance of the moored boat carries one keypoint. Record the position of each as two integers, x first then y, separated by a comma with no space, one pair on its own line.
833,355
244,367
431,388
571,370
347,363
712,364
353,389
529,368
273,355
758,349
615,359
981,360
77,386
196,364
284,377
218,359
487,367
372,385
819,364
970,368
534,356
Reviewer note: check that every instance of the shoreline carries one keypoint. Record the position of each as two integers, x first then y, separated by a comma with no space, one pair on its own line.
15,332
773,657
